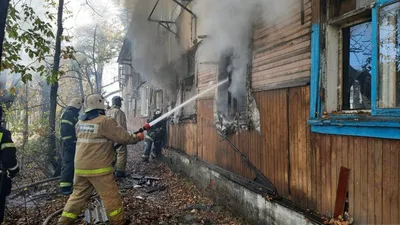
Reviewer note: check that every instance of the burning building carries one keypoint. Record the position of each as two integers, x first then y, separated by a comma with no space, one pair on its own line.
309,111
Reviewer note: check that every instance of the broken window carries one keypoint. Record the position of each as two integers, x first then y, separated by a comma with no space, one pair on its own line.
232,99
357,52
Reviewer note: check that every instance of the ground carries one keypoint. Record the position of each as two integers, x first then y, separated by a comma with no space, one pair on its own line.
171,200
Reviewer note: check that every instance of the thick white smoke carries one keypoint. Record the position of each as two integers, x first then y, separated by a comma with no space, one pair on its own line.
228,25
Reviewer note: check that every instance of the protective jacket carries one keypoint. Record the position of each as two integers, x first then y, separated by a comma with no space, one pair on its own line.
157,132
122,152
9,165
116,113
68,121
94,149
8,151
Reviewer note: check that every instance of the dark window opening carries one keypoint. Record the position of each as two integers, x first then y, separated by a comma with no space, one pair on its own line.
357,52
229,98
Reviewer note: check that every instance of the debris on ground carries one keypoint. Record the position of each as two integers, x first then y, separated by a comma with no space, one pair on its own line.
151,192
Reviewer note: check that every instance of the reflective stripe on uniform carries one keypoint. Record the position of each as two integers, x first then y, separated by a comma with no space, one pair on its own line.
65,184
67,122
149,138
7,145
14,168
92,140
66,137
69,215
1,136
115,212
94,171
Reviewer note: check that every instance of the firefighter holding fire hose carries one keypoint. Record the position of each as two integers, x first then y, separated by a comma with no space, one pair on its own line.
96,134
155,136
9,165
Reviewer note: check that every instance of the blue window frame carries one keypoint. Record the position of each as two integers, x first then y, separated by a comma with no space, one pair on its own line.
384,118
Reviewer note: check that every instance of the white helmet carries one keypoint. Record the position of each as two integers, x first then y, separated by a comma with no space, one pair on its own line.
76,103
94,101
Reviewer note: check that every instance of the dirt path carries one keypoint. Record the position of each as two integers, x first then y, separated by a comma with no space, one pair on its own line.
171,199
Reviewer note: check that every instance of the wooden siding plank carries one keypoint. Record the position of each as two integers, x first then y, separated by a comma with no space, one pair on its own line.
394,164
378,204
351,181
293,145
283,139
357,178
371,181
386,182
283,20
335,140
364,181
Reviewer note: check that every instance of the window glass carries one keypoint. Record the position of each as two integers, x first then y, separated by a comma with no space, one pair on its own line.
389,53
357,52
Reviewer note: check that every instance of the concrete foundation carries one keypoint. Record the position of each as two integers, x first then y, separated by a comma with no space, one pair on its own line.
215,183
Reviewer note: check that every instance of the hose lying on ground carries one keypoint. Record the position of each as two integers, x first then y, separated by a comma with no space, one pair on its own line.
56,213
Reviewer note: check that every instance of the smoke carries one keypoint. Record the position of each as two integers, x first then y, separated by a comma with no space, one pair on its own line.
155,51
228,26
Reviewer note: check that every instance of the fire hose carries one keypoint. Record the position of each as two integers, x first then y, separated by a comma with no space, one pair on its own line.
141,130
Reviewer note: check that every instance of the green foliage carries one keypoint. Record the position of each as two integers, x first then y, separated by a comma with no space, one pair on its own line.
36,41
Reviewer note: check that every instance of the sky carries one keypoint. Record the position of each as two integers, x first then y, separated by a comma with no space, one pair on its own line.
82,15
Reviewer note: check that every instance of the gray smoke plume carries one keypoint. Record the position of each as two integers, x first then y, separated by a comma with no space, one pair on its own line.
228,26
155,51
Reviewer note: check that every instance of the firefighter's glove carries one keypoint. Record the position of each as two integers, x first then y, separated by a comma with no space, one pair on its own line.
140,136
13,173
146,126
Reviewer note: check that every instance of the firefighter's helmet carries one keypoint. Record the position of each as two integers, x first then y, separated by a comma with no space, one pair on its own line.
157,113
76,103
94,101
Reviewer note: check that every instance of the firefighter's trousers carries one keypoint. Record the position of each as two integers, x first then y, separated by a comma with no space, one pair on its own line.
5,191
122,156
67,169
156,150
83,188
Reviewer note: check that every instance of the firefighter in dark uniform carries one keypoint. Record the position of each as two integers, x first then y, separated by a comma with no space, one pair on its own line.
156,136
69,119
9,165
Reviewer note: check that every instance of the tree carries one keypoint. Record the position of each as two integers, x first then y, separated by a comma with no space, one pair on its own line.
29,33
3,16
54,86
96,47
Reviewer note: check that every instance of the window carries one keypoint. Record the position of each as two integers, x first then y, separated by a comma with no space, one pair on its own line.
144,93
357,51
355,77
231,101
159,99
389,56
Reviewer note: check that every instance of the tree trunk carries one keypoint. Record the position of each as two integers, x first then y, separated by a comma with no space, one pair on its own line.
26,123
51,151
90,82
80,80
3,17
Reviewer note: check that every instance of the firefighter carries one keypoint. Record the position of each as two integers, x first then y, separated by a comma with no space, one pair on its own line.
69,118
116,113
9,165
155,136
96,135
